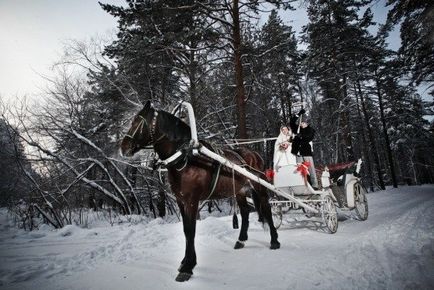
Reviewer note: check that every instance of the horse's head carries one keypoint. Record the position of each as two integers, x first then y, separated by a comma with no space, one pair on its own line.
139,135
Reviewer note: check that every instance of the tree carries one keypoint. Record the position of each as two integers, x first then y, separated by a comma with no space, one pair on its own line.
162,47
231,14
332,35
182,33
13,184
417,33
279,74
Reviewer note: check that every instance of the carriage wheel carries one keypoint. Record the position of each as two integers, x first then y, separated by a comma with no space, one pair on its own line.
276,211
329,215
360,202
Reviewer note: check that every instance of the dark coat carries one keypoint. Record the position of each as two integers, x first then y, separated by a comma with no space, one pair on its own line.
300,144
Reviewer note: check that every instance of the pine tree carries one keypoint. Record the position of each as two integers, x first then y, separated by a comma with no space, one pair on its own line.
12,161
231,15
417,37
280,73
160,44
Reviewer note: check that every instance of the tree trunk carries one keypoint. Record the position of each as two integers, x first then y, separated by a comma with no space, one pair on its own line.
386,135
282,102
365,142
346,126
372,141
239,79
133,185
413,166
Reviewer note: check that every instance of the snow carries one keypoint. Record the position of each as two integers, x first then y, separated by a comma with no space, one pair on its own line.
393,249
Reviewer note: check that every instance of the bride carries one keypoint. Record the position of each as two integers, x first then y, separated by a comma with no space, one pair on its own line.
282,149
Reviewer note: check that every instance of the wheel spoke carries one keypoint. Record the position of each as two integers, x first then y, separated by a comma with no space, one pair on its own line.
329,215
276,211
361,202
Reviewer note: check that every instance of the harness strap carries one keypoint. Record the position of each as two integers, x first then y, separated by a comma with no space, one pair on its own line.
215,178
240,159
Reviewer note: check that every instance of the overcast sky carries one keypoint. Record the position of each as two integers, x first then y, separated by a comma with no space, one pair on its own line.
32,34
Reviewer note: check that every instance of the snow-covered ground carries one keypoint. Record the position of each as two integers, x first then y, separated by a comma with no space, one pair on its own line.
393,249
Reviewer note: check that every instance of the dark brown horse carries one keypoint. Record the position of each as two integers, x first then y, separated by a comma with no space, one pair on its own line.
193,178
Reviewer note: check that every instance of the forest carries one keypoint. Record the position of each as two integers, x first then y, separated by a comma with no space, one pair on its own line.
244,77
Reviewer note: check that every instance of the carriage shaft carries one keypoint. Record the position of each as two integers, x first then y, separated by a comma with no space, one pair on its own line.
205,151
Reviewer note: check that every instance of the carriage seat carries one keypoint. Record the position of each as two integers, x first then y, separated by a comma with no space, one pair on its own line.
336,170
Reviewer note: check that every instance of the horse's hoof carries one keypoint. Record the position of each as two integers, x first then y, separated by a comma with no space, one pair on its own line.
239,245
182,277
180,267
275,246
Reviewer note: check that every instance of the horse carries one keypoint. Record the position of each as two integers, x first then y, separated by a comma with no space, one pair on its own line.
193,178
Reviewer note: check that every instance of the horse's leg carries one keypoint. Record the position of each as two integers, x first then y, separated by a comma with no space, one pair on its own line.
244,210
266,212
181,210
188,212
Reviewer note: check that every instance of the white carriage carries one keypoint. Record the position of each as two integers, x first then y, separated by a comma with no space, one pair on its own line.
290,181
346,193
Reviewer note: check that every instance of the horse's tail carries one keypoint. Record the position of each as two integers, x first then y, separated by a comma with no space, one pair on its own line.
255,164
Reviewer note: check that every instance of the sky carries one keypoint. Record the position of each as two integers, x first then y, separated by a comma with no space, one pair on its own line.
33,33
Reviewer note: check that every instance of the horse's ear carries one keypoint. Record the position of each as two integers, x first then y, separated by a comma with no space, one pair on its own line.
147,106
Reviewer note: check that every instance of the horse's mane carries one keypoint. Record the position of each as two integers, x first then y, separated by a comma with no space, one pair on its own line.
174,128
177,130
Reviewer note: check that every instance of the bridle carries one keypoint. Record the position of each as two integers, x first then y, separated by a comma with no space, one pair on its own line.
140,126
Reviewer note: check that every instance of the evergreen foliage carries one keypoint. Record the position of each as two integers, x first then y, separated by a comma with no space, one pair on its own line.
417,37
13,185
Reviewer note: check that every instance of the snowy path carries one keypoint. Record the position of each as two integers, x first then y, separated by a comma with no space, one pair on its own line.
393,249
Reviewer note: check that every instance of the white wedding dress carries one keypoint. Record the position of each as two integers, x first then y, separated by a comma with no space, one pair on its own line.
286,177
283,157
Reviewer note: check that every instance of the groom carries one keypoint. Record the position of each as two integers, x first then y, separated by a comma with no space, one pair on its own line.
301,144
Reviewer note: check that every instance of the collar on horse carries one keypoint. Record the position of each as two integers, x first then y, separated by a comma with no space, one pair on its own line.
180,154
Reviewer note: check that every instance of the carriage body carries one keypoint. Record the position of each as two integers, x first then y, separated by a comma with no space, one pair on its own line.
347,194
289,180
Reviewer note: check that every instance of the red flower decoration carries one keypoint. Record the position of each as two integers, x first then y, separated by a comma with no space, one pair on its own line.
269,174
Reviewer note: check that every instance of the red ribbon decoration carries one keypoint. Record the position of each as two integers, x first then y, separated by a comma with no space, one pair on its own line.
269,174
303,168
